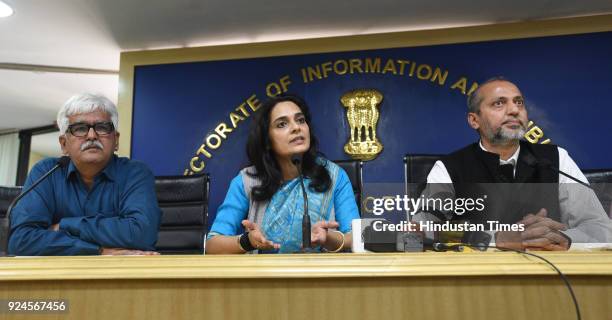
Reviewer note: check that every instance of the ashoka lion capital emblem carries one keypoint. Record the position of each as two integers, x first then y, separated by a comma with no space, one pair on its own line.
362,115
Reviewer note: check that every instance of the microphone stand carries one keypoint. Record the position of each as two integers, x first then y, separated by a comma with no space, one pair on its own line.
531,161
297,161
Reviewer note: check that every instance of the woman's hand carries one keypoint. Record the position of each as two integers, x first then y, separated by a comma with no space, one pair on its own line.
318,233
257,238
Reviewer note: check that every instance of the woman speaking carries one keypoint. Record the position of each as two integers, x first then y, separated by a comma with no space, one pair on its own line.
264,206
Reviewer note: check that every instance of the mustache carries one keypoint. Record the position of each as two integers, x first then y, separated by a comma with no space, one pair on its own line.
92,144
517,120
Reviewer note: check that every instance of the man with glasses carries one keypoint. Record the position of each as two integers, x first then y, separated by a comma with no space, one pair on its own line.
554,211
99,203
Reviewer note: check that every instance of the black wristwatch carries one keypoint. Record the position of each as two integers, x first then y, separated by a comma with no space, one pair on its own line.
245,243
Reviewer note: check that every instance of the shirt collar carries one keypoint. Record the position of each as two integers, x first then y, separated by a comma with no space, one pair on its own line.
109,171
512,160
71,170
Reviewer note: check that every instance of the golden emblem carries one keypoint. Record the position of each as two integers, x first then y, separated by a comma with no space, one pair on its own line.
362,115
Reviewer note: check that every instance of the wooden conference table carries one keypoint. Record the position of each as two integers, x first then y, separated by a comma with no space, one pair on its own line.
478,285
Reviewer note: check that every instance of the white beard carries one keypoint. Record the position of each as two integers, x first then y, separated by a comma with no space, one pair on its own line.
503,135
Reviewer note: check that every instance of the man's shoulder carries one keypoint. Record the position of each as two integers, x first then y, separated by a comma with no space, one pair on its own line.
44,165
47,162
461,153
543,150
127,165
541,147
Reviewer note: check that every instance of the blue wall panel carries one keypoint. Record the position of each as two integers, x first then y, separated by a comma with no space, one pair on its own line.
566,80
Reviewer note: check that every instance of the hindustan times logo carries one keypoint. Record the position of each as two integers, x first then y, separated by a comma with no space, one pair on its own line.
458,206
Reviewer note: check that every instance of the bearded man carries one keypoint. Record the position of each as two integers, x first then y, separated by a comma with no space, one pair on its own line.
554,211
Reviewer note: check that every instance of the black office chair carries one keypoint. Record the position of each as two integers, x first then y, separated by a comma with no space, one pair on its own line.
354,169
416,169
601,182
184,203
598,175
7,194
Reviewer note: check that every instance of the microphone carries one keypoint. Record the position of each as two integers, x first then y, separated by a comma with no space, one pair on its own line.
458,247
531,161
61,162
478,240
440,247
297,162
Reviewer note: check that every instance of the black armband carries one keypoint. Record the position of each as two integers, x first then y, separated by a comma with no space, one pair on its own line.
245,243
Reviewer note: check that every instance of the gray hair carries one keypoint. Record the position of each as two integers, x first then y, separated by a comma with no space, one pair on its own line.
86,103
474,100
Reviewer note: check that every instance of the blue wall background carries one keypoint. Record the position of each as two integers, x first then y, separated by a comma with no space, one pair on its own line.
566,80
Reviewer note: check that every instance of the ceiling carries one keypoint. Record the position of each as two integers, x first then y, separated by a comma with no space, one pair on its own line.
90,34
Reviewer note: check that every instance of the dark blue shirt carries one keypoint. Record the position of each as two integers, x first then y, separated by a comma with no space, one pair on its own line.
120,211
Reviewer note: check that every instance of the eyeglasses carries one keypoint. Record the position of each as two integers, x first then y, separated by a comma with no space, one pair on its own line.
81,129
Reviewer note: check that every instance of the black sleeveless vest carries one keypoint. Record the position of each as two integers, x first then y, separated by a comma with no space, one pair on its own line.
475,173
